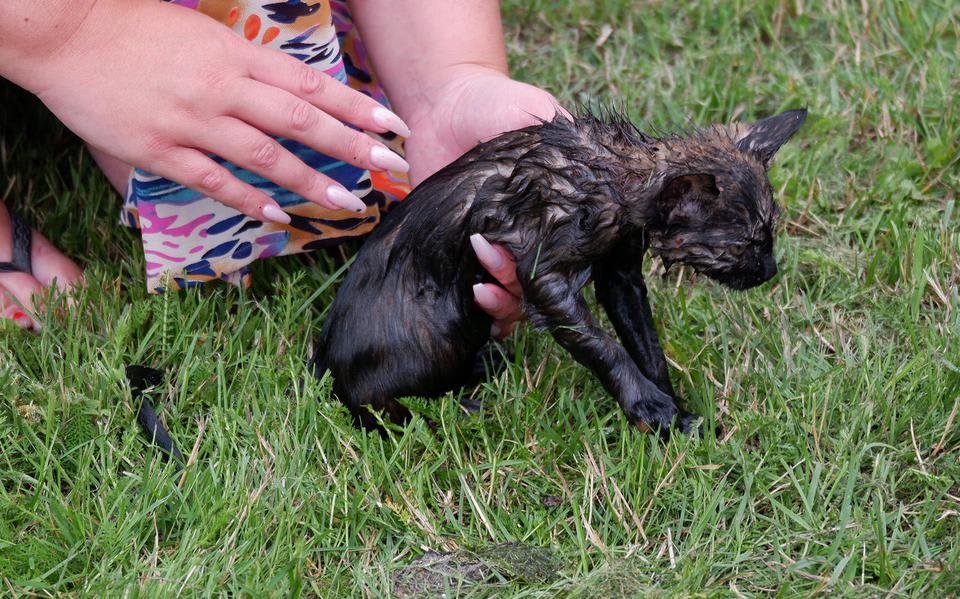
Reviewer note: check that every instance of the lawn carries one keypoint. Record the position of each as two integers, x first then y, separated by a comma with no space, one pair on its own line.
833,463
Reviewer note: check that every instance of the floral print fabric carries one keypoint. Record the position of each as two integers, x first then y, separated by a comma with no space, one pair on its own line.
189,239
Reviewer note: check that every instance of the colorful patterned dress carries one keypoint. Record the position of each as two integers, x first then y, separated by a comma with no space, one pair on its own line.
189,239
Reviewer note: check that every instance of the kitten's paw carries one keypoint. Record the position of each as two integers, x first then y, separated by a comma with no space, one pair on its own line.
471,406
690,424
652,411
665,417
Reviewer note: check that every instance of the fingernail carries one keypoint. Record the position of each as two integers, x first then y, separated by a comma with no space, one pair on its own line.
487,254
274,214
485,298
344,199
494,330
389,120
387,160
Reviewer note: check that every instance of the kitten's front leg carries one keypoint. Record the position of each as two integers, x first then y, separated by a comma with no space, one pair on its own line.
623,294
553,302
618,280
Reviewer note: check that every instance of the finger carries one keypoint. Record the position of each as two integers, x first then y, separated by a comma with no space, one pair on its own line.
195,170
249,148
530,106
549,108
19,291
275,68
501,329
498,262
497,302
537,111
279,112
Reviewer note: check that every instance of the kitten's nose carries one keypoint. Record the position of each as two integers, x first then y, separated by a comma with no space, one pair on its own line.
769,266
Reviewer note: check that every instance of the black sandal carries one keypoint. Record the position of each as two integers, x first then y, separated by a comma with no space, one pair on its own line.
21,238
142,378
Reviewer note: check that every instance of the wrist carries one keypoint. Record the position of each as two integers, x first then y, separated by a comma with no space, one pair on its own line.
33,33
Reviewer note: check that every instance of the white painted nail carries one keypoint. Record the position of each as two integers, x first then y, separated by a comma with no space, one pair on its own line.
487,254
485,298
273,213
383,158
344,199
391,121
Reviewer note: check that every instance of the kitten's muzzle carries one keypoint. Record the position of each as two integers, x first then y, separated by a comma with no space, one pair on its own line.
764,269
768,267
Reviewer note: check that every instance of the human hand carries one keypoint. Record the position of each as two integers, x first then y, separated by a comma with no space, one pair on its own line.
161,87
478,103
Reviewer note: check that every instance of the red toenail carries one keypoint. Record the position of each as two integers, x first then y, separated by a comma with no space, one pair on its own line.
18,315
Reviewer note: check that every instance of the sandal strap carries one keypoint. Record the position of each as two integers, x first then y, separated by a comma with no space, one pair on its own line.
20,239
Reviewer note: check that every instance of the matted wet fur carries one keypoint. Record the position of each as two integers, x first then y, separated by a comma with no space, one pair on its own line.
569,199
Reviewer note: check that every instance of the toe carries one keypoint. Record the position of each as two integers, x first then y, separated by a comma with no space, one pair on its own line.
16,295
22,292
50,266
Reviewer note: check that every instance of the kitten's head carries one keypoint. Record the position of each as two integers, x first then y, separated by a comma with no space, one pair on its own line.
715,210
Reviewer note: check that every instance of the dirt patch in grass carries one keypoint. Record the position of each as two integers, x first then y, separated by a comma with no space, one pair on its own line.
437,574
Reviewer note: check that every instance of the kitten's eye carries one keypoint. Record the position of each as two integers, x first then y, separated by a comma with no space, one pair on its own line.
736,250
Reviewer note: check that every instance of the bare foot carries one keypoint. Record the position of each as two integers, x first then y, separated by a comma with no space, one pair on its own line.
48,268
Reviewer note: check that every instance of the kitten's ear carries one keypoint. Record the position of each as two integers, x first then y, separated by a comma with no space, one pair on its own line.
686,196
765,137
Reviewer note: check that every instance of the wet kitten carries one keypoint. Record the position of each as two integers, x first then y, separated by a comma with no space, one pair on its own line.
570,200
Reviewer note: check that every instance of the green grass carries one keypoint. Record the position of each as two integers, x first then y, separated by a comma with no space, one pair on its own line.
834,467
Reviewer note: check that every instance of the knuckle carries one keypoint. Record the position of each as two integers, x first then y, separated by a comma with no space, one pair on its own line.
504,273
312,81
313,182
249,200
507,275
246,201
211,79
355,146
212,180
357,105
266,153
303,117
157,144
197,91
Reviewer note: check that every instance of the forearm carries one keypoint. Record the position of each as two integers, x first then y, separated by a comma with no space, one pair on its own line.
418,46
33,30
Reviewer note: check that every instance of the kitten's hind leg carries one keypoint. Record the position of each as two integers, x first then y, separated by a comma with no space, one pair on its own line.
490,361
369,408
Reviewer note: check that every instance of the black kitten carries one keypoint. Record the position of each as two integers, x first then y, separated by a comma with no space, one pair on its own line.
569,199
